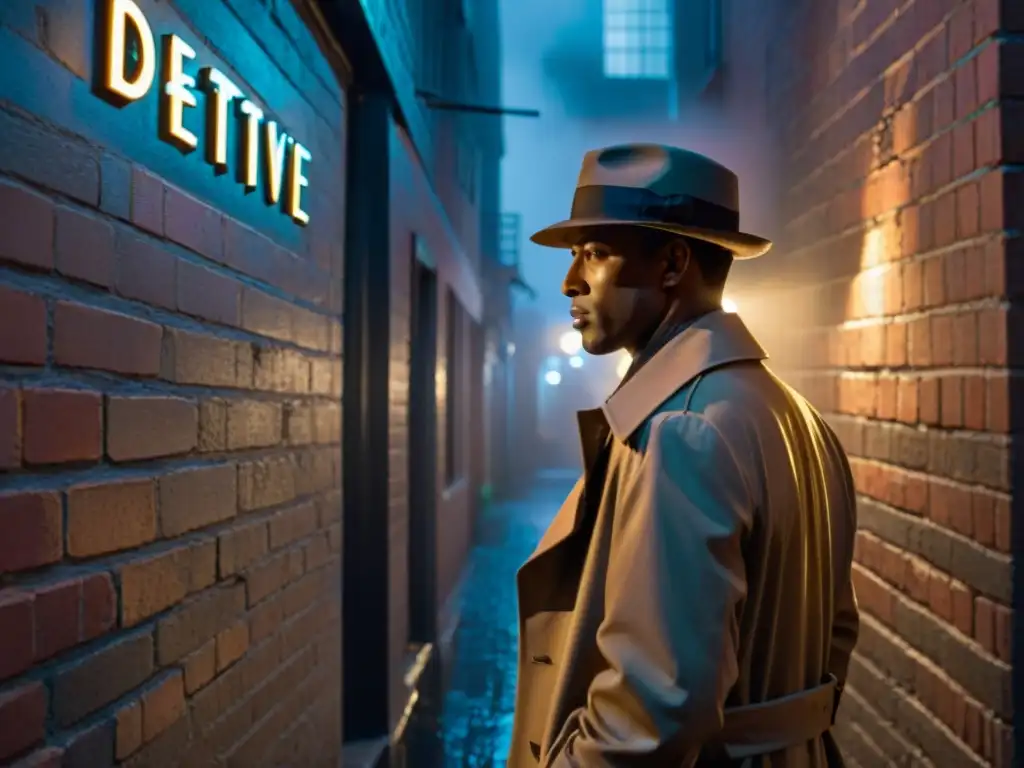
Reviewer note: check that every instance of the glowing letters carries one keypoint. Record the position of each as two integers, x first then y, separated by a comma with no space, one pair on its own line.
283,158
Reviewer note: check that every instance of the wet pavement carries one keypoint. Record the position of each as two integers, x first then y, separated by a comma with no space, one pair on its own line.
476,717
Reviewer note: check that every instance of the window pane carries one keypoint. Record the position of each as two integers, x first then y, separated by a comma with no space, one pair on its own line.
615,64
637,38
614,39
658,39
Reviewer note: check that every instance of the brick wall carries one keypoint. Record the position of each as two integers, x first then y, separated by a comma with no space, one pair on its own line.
170,380
888,301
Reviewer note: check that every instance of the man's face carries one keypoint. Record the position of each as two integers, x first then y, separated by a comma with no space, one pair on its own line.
618,292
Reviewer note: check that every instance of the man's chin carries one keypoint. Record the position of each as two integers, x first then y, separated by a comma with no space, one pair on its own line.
597,345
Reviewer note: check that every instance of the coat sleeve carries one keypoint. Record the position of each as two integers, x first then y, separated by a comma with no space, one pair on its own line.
846,621
670,631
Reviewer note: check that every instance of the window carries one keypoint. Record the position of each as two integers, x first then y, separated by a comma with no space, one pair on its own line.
455,400
638,39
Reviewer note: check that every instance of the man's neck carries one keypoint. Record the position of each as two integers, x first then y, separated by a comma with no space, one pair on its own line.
675,322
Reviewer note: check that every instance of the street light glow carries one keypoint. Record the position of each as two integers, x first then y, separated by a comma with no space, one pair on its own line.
576,361
554,378
571,342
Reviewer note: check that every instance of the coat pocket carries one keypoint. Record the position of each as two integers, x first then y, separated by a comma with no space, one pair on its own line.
543,642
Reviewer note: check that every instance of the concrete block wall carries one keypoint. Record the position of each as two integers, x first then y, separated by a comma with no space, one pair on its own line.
891,300
170,383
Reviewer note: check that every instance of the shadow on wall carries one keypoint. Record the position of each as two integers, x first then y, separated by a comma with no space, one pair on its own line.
552,61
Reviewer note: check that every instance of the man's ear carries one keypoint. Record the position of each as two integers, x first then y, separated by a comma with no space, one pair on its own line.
677,261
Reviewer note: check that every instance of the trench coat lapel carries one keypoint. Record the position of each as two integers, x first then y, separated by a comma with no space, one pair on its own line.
713,340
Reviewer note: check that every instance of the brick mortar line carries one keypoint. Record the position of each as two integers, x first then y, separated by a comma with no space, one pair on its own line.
243,700
865,225
62,736
56,290
112,562
880,78
888,113
75,379
60,478
925,199
909,650
12,273
929,197
993,372
958,484
1002,560
906,748
1000,440
64,200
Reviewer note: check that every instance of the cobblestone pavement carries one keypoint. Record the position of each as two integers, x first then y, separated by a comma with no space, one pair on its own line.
476,718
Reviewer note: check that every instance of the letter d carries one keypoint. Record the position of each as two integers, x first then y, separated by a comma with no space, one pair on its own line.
119,14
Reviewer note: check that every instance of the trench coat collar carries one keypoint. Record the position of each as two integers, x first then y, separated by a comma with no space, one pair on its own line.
712,340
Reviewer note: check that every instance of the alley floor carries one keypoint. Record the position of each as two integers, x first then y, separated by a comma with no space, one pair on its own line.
476,718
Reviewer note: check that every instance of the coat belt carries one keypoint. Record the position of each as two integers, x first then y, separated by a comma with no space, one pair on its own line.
776,724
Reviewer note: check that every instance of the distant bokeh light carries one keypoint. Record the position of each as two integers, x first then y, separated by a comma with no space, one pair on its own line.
571,342
554,378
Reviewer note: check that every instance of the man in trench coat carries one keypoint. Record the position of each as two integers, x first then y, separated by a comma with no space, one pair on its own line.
691,602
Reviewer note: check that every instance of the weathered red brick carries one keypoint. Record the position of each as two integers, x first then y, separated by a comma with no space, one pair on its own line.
58,611
99,605
199,619
148,427
163,705
26,226
232,643
85,685
108,517
93,745
195,498
22,718
191,358
17,642
84,247
62,425
128,726
146,271
31,530
86,337
200,667
207,294
10,429
22,328
153,583
193,224
147,209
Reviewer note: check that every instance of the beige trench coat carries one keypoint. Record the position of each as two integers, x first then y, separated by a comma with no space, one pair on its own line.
699,568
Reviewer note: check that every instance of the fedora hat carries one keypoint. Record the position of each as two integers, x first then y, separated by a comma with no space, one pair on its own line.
656,187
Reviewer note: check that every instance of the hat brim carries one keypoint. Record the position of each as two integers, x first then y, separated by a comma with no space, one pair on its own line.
566,234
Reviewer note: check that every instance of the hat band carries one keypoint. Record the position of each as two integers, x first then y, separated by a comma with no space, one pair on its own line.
633,204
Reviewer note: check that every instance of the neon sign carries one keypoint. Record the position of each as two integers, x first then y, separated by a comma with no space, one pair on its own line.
265,149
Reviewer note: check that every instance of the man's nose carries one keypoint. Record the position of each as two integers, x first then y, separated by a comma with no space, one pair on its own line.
573,284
